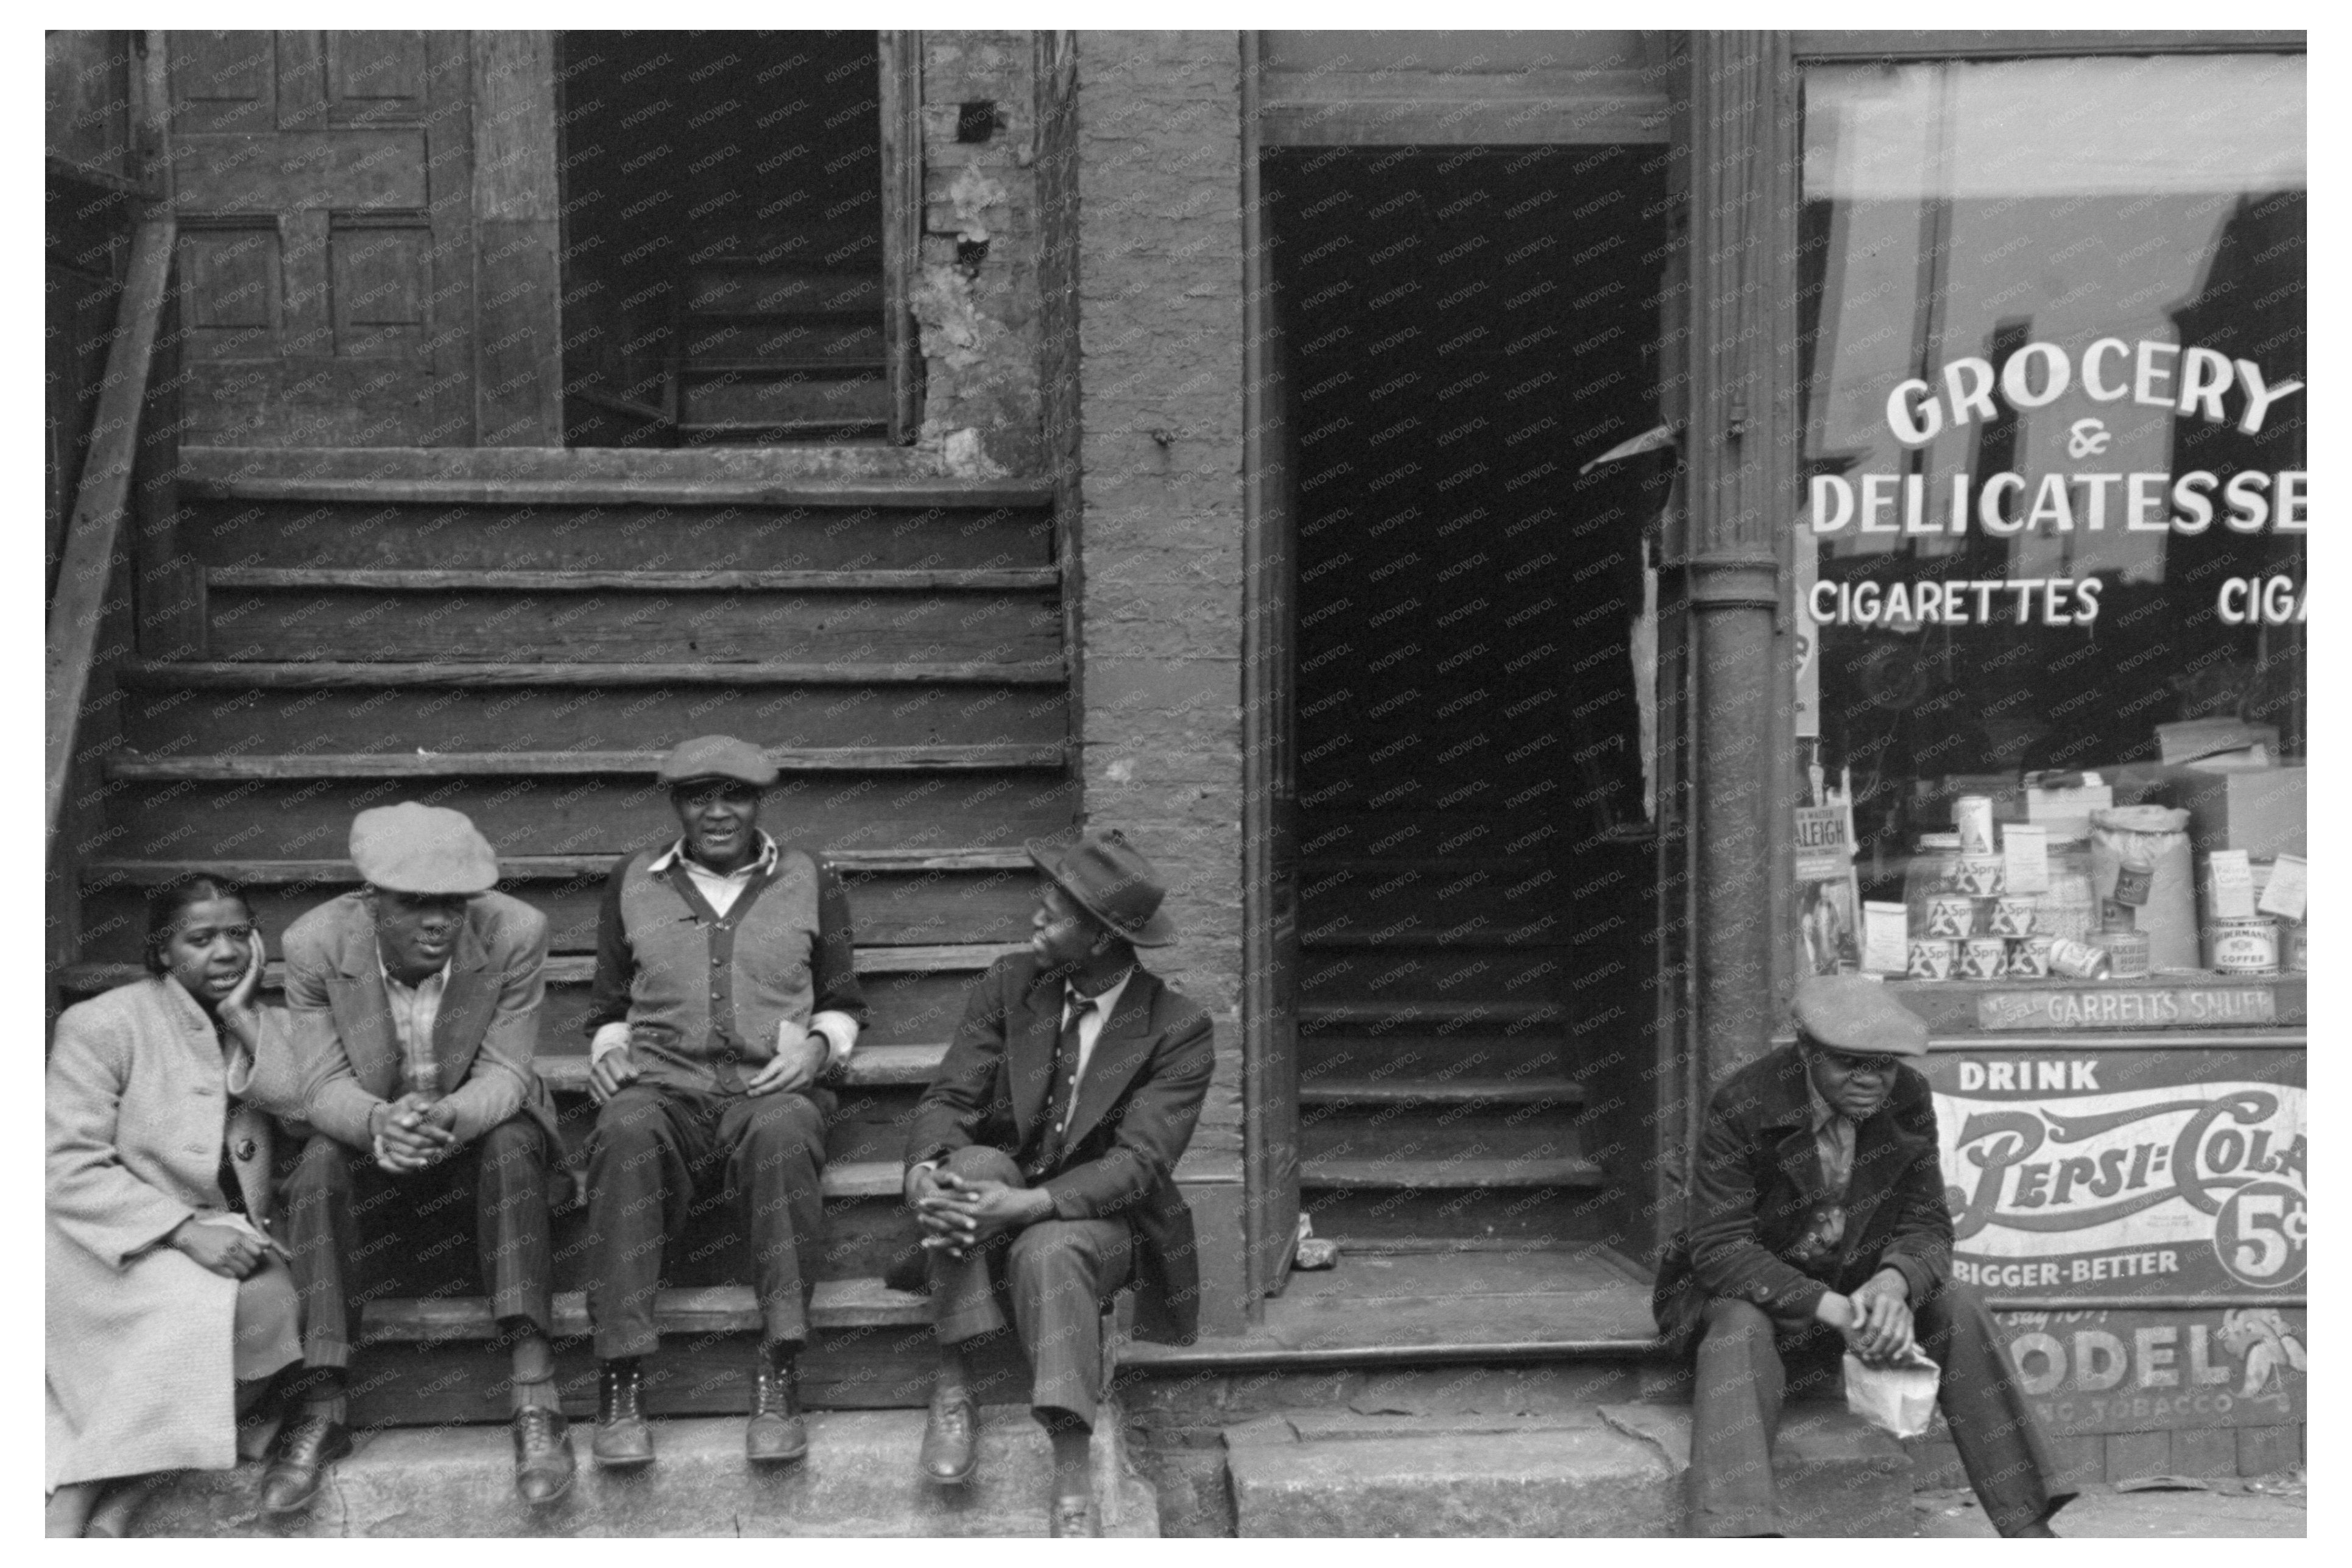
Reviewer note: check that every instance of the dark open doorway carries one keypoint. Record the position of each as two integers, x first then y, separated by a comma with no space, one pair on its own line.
723,237
1465,328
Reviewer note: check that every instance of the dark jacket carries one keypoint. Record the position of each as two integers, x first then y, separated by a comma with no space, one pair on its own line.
1758,1176
1135,1107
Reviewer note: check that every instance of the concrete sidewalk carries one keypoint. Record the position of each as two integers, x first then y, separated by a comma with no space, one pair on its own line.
2220,1508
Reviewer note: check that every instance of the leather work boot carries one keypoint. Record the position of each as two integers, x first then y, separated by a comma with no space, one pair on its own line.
543,1463
775,1432
950,1453
307,1446
1073,1517
623,1438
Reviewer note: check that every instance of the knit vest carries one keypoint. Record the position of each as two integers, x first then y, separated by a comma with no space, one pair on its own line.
707,986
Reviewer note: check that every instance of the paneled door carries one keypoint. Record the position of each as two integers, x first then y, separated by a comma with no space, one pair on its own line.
323,186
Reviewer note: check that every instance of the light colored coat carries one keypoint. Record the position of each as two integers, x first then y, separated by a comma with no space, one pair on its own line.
139,1355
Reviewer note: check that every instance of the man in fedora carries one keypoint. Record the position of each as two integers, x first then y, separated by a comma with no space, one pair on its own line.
1817,1224
1041,1161
414,1008
726,990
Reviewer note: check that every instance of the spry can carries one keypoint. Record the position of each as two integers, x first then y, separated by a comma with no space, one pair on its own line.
1931,958
1983,958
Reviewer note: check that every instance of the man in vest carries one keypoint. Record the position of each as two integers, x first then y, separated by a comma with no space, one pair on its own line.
1817,1226
1041,1161
725,992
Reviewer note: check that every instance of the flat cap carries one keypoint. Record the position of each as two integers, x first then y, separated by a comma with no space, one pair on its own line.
1850,1013
718,757
416,848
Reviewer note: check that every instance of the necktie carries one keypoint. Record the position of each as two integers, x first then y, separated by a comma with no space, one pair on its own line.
1062,1091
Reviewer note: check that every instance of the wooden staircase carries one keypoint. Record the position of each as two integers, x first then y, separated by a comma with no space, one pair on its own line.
366,628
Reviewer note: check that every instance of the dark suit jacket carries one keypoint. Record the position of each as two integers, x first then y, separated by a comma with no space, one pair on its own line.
484,1035
1758,1173
1135,1110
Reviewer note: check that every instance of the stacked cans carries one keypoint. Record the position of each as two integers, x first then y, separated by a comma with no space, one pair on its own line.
1971,928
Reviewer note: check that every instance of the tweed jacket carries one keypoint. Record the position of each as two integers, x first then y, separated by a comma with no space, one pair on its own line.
484,1035
138,1343
1136,1106
1758,1177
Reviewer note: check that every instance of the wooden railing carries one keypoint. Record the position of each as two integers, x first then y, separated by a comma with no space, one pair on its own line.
94,546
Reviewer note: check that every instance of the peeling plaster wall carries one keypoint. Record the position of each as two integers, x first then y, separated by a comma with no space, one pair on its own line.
1159,330
979,321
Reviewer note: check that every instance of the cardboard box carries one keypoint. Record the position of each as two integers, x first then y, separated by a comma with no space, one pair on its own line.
2260,811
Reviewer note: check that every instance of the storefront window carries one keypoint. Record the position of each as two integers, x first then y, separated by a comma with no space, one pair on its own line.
2051,550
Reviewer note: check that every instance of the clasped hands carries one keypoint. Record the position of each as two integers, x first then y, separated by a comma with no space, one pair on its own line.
1875,1319
802,1055
958,1212
411,1133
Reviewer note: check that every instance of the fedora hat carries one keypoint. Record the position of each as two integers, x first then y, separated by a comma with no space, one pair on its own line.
1111,881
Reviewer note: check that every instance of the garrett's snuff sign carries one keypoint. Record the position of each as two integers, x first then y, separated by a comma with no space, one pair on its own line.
2114,1007
2096,1173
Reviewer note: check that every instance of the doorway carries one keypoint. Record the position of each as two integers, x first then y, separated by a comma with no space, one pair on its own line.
1465,330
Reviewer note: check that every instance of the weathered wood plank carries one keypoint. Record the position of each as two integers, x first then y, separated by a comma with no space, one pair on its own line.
710,1308
1448,1175
1460,1092
870,1066
308,675
89,979
429,581
104,872
535,764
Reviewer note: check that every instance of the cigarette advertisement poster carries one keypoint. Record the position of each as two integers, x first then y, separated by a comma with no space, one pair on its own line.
2149,1370
2105,1173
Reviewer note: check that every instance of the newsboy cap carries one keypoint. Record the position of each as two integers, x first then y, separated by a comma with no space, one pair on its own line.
416,848
1849,1013
718,757
1112,881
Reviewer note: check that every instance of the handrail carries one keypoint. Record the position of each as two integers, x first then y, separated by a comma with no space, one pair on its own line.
93,538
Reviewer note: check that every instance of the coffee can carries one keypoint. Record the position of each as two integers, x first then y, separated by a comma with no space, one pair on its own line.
2127,953
2243,946
1983,958
2077,961
2028,957
1972,815
2013,917
1979,876
1951,914
1931,958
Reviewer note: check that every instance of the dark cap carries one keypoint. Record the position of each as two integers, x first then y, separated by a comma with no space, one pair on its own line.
718,757
1849,1013
1112,881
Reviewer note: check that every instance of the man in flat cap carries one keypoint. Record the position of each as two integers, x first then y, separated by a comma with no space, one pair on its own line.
414,1008
1041,1161
1817,1224
726,991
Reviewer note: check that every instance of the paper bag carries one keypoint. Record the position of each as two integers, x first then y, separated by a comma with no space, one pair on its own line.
1898,1398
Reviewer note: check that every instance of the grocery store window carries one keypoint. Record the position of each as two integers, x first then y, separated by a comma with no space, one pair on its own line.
2050,553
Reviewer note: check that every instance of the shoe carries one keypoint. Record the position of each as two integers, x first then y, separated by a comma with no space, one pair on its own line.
306,1446
1073,1517
776,1434
950,1454
2037,1530
622,1438
543,1462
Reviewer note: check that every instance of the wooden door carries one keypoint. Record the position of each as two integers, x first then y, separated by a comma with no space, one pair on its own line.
323,186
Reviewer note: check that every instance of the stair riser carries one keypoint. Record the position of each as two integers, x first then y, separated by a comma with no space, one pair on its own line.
857,346
615,626
1474,902
1535,1216
1539,828
611,718
619,538
580,814
1492,773
765,291
746,397
897,908
1527,1131
1504,976
1406,1057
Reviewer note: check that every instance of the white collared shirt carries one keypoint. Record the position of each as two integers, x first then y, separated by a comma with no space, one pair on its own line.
414,1008
1090,1027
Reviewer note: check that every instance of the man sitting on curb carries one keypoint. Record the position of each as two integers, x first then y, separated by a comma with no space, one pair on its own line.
1818,1224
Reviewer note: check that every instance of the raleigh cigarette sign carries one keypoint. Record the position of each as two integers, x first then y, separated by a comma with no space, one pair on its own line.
2098,1173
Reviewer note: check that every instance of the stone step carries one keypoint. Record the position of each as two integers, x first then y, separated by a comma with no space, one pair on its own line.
1605,1470
859,1479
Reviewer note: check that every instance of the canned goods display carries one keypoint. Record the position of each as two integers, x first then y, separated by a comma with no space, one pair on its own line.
1950,914
2076,960
2127,953
1931,958
2293,954
2134,878
2029,958
2013,917
1979,876
1983,958
2243,946
1972,815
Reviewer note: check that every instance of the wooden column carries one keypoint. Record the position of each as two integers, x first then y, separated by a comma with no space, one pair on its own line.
518,288
1733,370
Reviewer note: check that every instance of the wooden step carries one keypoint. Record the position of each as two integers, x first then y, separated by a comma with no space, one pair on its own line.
1448,1175
1410,1055
525,868
427,580
1462,1092
811,342
1488,1014
719,432
751,288
870,1066
1342,933
708,1309
315,674
134,766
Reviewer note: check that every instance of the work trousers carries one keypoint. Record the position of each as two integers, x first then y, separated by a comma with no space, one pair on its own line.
1058,1276
1745,1369
655,1149
343,1208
